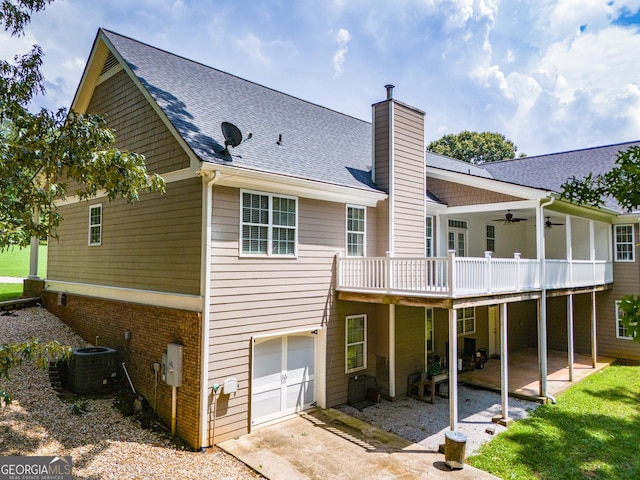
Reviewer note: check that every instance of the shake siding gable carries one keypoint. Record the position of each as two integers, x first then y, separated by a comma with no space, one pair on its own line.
137,126
455,194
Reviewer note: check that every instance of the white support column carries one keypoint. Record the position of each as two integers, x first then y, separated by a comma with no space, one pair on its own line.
453,371
542,342
392,350
570,356
569,246
33,258
594,335
504,363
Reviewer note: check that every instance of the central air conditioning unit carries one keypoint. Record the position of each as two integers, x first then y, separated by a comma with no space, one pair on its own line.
91,368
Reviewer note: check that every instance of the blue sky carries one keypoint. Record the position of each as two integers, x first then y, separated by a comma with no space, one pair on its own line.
550,75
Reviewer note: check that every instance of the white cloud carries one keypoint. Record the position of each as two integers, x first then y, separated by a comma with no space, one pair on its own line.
253,48
342,39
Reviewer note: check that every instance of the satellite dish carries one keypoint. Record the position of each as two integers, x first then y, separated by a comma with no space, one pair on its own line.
232,135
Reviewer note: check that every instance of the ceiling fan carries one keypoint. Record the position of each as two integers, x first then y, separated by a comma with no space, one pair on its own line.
548,223
509,218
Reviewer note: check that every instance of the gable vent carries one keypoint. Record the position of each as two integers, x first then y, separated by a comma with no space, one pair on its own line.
110,62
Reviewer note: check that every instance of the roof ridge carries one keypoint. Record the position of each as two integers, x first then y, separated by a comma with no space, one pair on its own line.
566,152
233,75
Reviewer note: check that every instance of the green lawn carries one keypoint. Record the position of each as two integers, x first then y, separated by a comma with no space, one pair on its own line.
592,432
14,262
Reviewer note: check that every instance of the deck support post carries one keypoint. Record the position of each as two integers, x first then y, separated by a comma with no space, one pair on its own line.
392,350
542,342
504,362
453,370
570,354
594,335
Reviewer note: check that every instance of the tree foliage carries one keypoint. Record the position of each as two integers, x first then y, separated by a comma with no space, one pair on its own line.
475,147
14,354
622,183
46,156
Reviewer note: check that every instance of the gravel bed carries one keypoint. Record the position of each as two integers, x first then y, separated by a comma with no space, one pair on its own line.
427,424
102,442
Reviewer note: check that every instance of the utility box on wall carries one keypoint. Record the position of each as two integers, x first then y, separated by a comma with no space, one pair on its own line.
174,365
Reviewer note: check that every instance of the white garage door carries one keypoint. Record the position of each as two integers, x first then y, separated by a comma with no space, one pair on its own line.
283,377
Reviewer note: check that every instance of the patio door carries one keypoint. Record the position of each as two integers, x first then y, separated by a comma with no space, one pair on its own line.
494,330
283,376
457,236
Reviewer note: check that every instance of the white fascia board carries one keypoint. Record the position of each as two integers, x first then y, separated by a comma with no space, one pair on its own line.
601,214
274,183
527,193
192,303
492,207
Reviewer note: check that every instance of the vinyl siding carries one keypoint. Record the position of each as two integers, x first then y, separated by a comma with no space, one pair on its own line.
137,126
626,278
408,181
257,296
153,244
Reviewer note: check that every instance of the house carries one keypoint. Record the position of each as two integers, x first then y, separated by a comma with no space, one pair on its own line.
320,251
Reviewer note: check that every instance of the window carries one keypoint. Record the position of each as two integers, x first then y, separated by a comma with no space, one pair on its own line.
428,228
457,236
269,224
466,320
95,225
428,329
356,220
491,238
356,343
621,328
624,243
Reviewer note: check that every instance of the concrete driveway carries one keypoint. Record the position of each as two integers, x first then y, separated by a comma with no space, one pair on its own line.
328,444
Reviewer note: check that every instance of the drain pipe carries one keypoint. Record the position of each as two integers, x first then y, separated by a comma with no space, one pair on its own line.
209,178
542,323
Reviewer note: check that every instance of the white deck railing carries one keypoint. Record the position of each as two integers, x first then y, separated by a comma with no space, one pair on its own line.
464,276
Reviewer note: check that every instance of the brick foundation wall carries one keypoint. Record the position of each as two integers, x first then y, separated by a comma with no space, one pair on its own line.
152,328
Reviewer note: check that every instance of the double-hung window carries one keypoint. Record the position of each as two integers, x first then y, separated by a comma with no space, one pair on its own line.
466,320
269,224
95,225
621,328
356,223
624,243
428,330
491,238
428,241
356,343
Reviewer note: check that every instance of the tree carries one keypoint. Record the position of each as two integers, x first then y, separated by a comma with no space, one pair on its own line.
14,354
475,147
42,154
621,183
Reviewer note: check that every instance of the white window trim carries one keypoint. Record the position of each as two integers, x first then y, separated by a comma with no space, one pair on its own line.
488,238
364,233
428,239
98,225
269,227
619,323
426,331
633,243
347,344
463,319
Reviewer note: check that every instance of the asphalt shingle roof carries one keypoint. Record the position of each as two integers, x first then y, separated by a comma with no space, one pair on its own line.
549,172
317,143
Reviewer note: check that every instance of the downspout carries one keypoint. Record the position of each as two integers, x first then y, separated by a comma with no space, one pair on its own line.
208,180
542,324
